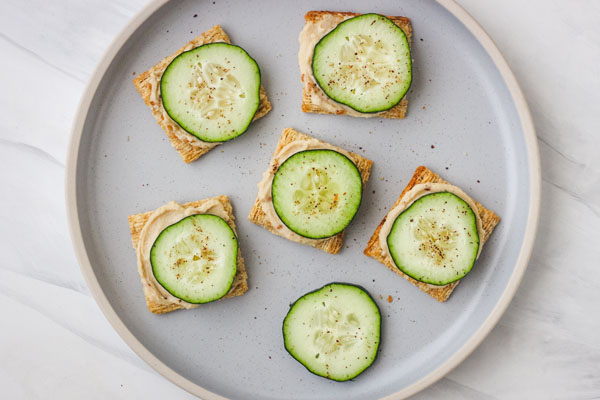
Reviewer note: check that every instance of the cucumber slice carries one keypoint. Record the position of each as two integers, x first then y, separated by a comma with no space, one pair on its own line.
212,91
334,331
435,240
316,193
364,63
195,259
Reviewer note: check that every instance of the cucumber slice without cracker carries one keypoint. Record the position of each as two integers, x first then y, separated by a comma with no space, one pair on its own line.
316,193
334,331
364,63
435,240
212,91
195,259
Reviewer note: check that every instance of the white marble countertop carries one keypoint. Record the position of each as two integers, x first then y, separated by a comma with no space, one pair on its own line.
55,342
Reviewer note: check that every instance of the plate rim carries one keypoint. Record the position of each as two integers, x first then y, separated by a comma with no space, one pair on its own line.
455,359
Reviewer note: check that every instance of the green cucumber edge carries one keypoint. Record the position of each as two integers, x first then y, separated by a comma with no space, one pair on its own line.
186,129
409,68
351,219
237,249
402,268
317,290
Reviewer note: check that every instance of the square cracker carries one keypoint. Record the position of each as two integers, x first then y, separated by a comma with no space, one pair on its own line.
332,244
310,88
188,150
239,285
489,221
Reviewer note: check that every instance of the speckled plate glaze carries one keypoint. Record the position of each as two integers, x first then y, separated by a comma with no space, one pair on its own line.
467,120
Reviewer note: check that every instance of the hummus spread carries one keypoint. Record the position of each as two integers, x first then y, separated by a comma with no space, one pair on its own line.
156,101
157,222
309,37
264,186
413,195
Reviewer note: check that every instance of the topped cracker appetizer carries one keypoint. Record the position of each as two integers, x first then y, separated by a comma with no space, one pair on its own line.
207,93
311,191
355,64
188,254
433,234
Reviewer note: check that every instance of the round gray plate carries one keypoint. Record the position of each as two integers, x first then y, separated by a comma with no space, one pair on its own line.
466,121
